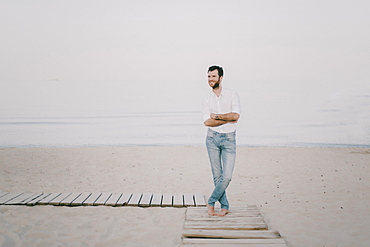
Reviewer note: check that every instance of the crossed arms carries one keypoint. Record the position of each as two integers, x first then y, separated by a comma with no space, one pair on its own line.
220,119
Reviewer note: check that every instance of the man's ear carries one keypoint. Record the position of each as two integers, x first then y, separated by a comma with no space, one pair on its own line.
221,77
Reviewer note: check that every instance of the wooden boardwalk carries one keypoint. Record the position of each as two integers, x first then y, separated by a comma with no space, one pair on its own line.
106,199
242,226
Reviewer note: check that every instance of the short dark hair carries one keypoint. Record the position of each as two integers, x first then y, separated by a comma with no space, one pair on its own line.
219,69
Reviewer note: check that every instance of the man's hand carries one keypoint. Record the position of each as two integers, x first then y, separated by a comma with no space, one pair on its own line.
214,116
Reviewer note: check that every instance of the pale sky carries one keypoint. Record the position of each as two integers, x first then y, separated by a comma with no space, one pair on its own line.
255,40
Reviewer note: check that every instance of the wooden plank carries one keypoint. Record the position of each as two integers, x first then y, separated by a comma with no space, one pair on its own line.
78,201
135,199
9,196
69,199
58,199
37,196
235,245
47,199
123,200
189,200
113,199
20,199
37,199
244,207
230,215
156,200
202,212
226,220
229,234
102,199
178,200
226,226
92,198
145,200
234,209
199,200
272,241
167,200
3,193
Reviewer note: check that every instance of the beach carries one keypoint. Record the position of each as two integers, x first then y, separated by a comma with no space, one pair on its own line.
312,196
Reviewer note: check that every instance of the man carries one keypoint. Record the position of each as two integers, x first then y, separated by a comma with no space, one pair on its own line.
221,111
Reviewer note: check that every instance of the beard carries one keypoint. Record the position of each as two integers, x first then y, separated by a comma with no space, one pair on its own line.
216,85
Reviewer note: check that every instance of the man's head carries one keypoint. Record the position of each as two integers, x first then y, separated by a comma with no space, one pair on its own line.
215,75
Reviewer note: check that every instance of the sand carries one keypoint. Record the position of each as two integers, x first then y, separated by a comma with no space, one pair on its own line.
312,196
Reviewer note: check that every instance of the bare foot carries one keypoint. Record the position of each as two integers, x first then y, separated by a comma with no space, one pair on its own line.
211,210
223,212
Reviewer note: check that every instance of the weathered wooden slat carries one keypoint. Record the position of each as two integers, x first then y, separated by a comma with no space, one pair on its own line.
226,226
35,200
235,245
92,198
113,199
123,200
225,220
80,199
69,199
202,212
189,200
47,199
273,241
19,200
191,233
255,212
145,200
156,200
205,215
234,209
223,225
178,200
135,199
9,196
3,193
167,200
102,199
58,199
199,200
37,197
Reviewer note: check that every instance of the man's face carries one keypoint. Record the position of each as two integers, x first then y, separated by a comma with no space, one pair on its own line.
214,79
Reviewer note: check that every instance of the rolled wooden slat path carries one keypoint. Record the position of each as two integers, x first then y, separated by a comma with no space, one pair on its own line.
242,226
106,199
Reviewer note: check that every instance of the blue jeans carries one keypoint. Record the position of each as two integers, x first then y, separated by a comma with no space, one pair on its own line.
221,149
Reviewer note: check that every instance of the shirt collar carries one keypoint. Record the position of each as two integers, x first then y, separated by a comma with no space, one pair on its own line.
221,94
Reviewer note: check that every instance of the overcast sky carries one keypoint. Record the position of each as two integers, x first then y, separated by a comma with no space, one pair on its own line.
325,40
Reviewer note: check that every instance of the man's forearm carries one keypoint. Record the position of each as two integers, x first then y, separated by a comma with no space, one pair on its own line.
214,123
220,119
232,116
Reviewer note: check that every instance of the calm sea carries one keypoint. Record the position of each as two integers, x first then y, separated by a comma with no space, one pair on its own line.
60,113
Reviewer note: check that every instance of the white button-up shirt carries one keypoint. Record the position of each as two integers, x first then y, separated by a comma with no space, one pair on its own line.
227,102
